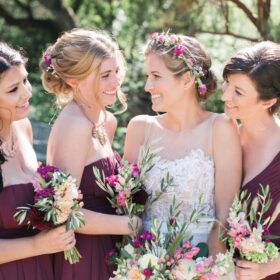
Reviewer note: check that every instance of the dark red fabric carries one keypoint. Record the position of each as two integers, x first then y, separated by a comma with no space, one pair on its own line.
35,268
269,176
93,248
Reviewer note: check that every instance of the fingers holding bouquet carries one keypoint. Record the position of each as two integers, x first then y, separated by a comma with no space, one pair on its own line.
55,240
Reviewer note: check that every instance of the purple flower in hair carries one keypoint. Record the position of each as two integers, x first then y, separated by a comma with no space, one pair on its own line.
202,89
47,59
178,50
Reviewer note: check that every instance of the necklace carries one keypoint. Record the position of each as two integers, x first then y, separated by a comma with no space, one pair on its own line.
98,131
9,148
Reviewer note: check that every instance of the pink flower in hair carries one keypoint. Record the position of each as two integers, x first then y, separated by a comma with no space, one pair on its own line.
202,89
47,59
173,38
161,38
153,35
178,50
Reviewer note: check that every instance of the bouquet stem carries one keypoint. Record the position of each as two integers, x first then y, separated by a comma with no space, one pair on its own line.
72,255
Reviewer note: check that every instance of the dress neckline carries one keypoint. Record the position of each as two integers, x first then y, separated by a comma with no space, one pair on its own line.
186,156
16,186
106,158
254,178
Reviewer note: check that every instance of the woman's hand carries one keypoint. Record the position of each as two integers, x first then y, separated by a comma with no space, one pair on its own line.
246,270
54,240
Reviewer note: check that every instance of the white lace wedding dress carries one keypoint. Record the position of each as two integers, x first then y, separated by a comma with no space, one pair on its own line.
193,175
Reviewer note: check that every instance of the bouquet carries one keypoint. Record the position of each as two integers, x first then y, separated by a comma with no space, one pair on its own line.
56,202
248,235
126,187
154,255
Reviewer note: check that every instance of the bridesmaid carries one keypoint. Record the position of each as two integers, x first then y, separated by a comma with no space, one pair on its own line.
85,70
251,94
25,253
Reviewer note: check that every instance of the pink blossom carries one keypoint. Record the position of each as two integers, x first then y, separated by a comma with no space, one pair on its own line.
199,267
136,243
209,276
121,199
147,235
135,170
112,180
195,250
47,59
178,50
153,35
173,38
187,244
202,89
161,38
148,272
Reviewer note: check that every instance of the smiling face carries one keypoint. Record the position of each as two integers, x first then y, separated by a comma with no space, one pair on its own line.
104,87
15,92
167,91
241,98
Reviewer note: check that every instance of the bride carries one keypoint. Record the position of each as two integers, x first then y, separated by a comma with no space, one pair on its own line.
199,149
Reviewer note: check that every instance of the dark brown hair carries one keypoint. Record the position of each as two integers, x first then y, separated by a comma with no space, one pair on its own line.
261,63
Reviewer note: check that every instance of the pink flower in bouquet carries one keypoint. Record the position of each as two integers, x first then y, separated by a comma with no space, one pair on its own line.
36,219
178,50
112,180
172,221
148,272
209,276
121,199
135,170
44,171
137,243
43,193
147,235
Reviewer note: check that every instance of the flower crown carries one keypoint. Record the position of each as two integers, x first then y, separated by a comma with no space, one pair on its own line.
177,50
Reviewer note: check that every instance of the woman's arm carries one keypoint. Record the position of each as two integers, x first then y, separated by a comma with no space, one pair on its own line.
45,242
228,168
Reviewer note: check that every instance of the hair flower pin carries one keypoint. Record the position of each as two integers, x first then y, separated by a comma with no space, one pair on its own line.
47,59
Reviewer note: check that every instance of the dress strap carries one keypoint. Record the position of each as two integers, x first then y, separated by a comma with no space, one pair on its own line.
148,129
211,141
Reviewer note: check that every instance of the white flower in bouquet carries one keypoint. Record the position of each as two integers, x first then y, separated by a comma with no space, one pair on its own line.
185,270
135,274
148,260
129,249
253,243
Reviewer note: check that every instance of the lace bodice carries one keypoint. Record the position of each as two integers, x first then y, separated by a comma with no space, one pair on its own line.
193,176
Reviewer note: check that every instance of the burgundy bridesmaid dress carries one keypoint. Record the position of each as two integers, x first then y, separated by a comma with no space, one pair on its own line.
34,268
93,248
269,176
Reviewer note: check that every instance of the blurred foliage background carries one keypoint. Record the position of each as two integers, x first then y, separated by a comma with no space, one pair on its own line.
223,26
